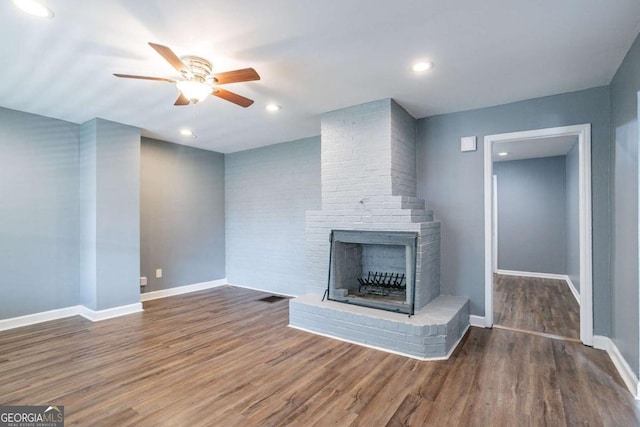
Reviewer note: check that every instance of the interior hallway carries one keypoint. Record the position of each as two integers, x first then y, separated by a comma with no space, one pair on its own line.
537,305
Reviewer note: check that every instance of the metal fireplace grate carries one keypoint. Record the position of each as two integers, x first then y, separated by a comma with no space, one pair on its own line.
382,283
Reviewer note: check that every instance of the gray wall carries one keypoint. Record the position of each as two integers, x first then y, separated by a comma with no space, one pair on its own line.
109,207
118,215
572,167
87,225
624,136
452,184
181,215
531,215
38,213
267,191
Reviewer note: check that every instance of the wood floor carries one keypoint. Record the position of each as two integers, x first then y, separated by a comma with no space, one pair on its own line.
222,358
538,305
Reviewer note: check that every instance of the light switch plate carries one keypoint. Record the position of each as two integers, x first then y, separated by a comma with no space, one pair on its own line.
468,143
158,273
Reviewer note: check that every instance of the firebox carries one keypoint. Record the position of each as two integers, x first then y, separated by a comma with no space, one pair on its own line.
375,269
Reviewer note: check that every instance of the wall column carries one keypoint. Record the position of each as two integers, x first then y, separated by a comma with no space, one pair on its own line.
109,205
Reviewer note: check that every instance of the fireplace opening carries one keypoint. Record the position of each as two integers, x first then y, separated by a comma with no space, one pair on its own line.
374,269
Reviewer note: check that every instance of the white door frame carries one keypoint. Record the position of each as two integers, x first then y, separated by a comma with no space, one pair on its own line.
583,132
494,218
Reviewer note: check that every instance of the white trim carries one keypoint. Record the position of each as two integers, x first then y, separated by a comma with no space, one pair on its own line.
494,218
263,290
98,315
638,236
628,376
586,244
45,316
477,321
109,313
61,313
583,132
564,277
573,289
179,290
533,274
488,234
399,353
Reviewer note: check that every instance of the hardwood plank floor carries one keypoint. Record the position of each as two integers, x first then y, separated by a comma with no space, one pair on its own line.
222,358
538,305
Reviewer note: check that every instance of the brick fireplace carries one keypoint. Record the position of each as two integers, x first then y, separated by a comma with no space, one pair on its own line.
368,180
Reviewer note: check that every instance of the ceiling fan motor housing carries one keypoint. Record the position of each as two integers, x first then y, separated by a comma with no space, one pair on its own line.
200,69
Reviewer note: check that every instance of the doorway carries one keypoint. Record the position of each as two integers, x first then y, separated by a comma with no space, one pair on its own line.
530,144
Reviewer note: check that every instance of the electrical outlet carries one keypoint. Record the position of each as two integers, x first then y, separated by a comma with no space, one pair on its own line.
143,281
158,273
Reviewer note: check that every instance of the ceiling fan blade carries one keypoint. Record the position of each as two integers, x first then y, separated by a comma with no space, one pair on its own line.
243,75
129,76
182,100
170,57
232,97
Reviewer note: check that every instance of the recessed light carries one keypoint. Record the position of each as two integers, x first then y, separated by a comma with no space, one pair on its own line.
34,8
273,107
503,153
186,132
419,67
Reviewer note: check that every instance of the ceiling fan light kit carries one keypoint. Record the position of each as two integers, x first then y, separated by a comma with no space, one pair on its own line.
422,66
194,90
34,8
198,80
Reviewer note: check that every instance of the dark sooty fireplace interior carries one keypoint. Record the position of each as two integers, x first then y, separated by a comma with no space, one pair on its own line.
374,269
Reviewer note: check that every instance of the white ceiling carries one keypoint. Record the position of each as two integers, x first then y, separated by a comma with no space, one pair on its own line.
313,56
533,148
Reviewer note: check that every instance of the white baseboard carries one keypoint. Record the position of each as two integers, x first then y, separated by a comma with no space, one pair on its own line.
179,290
564,277
573,289
109,313
97,315
45,316
532,274
76,310
477,321
625,371
262,290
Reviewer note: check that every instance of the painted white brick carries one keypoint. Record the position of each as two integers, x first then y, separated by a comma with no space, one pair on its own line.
368,182
422,335
267,192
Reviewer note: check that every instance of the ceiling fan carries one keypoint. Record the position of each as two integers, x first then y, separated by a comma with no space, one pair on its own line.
198,81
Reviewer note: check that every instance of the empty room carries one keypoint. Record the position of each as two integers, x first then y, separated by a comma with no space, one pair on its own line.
353,213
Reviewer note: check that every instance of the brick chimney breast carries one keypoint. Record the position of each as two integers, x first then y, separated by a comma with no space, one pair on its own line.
368,180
